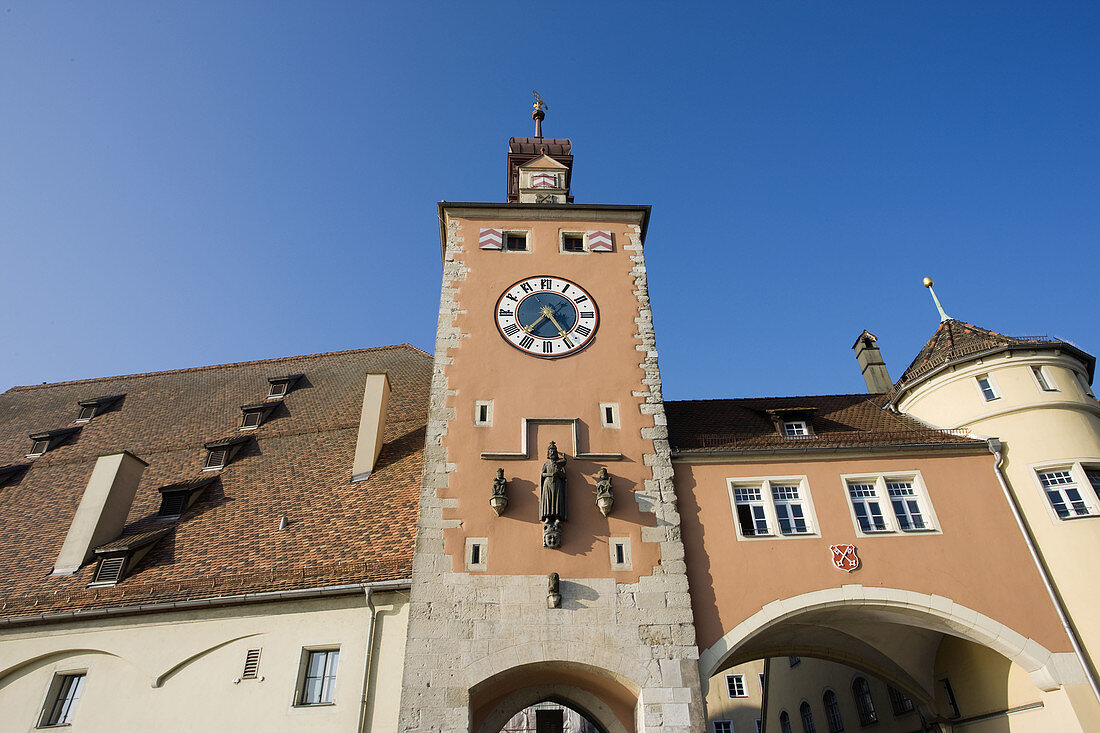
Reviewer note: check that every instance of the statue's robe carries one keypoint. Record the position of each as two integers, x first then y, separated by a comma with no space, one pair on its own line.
553,499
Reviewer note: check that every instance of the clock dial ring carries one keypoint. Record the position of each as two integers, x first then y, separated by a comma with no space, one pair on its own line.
547,316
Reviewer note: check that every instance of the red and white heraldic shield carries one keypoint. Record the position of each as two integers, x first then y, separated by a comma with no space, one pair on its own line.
844,557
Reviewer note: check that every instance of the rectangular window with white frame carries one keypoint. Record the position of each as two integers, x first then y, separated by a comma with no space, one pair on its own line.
1067,489
1043,379
735,685
483,413
986,387
317,677
723,726
516,242
796,429
774,507
609,414
890,503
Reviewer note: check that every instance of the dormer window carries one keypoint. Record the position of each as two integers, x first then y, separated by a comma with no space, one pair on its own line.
48,440
255,415
175,499
793,422
118,558
280,386
11,472
219,453
96,406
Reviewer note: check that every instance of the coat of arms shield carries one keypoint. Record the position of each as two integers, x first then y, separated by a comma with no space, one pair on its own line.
844,557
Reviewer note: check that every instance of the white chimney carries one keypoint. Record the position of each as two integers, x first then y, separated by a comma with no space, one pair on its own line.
372,424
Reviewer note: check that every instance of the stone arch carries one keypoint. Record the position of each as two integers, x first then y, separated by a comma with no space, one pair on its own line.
161,678
56,654
907,608
577,698
607,698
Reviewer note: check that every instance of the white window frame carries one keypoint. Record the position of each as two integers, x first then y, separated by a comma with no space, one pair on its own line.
768,503
993,388
515,232
892,527
726,726
1081,482
482,543
488,421
1043,378
614,422
561,242
739,682
613,544
796,429
303,673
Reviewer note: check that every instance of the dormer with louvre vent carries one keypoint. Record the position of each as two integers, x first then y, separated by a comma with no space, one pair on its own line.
282,385
118,559
220,453
175,499
96,406
12,472
50,439
255,415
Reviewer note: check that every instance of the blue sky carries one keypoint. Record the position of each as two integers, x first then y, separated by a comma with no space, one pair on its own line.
197,183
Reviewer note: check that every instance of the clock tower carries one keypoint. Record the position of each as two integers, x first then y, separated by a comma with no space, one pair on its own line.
548,563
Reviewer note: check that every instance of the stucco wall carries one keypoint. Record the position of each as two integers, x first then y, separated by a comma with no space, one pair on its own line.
176,671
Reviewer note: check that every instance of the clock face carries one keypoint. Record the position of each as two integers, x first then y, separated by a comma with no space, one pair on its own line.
547,316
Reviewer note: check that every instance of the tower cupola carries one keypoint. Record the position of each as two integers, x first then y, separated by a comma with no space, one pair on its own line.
539,168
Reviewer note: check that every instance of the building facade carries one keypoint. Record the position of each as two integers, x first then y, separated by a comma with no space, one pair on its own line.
519,532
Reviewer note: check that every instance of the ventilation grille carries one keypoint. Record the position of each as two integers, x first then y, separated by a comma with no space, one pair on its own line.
251,664
216,458
110,569
172,504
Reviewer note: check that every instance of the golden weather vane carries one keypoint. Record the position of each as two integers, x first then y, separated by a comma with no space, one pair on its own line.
539,105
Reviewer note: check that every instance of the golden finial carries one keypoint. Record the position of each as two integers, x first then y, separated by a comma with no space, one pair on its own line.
539,105
943,315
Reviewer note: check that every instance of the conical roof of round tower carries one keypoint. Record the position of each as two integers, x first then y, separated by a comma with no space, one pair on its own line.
957,340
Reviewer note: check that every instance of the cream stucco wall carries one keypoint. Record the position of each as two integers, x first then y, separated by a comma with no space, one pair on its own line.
1040,429
743,712
176,671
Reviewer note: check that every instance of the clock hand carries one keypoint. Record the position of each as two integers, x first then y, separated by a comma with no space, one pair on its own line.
561,331
531,327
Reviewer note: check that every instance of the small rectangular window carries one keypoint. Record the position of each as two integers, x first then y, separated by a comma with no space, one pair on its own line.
750,511
110,570
251,665
39,447
319,679
477,550
735,685
867,505
985,384
252,419
515,241
609,414
278,389
620,553
172,503
1064,496
795,429
572,243
723,726
483,413
1045,383
87,412
61,703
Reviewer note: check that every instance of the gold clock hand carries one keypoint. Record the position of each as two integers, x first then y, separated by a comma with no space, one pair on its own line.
561,331
531,327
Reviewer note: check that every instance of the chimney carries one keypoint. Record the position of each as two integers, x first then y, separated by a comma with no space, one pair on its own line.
871,364
103,509
372,424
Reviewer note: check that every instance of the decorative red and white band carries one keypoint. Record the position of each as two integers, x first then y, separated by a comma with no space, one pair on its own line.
491,239
544,180
599,241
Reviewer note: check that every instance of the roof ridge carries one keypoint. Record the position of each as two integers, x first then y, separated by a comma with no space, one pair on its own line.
227,365
780,397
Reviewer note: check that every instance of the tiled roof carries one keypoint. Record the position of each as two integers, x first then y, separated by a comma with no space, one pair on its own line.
298,464
837,421
133,541
956,340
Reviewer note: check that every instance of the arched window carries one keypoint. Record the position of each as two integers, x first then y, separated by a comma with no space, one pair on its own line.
784,722
807,717
864,704
832,712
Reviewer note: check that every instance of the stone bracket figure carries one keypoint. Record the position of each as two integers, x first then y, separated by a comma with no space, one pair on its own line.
498,496
605,497
553,497
553,592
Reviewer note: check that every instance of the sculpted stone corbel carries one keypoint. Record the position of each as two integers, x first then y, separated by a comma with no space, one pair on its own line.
605,497
498,497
